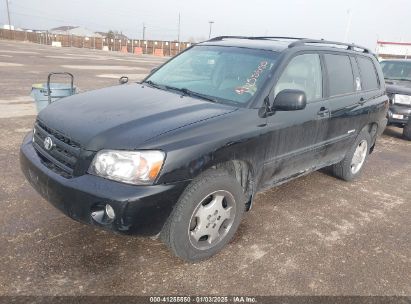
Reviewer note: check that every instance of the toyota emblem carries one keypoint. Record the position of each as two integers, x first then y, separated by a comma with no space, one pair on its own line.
48,143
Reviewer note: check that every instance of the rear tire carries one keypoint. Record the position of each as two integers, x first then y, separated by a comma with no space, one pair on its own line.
205,217
407,130
353,163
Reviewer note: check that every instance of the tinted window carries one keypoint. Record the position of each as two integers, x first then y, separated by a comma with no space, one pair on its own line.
369,79
340,75
396,70
303,73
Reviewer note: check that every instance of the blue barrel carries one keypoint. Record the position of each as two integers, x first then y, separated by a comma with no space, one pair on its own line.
46,93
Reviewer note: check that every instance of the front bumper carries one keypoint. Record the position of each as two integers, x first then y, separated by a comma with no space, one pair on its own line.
139,209
404,111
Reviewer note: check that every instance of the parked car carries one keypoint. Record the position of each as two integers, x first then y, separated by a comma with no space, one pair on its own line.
183,153
397,74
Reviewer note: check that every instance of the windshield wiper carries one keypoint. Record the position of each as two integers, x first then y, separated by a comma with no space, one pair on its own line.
182,90
155,85
190,93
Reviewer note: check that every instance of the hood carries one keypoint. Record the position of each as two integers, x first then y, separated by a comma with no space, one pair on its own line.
398,87
122,117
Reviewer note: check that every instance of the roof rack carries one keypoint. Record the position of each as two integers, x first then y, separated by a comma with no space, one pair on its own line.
298,42
350,46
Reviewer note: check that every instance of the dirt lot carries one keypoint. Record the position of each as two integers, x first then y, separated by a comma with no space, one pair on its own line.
313,236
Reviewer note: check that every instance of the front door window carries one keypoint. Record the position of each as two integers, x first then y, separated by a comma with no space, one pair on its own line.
303,73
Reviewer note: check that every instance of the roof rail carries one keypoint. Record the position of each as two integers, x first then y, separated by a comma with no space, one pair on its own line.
254,38
277,37
350,46
218,38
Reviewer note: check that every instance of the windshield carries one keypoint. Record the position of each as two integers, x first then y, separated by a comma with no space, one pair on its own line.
223,74
396,70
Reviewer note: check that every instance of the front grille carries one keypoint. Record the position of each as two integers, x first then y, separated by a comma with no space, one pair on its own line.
62,156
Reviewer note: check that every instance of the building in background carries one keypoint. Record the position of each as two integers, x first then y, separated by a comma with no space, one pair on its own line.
400,50
75,31
8,27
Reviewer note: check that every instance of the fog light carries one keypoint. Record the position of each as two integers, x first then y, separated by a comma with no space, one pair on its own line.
110,212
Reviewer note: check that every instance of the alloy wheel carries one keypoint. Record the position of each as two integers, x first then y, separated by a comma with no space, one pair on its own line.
212,219
359,156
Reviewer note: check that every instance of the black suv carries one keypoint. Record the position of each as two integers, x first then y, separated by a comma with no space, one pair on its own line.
184,152
397,75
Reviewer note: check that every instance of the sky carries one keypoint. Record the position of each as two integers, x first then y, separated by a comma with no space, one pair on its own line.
362,21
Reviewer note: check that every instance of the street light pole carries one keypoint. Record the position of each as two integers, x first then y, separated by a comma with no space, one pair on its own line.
179,23
211,24
8,13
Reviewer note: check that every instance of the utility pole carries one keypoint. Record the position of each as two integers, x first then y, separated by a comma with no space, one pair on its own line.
179,22
144,37
8,13
144,32
211,24
347,29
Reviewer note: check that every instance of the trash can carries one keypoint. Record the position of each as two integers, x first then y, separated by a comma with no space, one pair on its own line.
46,93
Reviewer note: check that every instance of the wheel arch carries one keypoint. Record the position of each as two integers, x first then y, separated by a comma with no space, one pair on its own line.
244,173
372,129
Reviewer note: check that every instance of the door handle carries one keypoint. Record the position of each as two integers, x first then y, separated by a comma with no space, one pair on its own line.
362,101
324,112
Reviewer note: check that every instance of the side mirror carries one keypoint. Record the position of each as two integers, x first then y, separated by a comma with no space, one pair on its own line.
123,80
290,100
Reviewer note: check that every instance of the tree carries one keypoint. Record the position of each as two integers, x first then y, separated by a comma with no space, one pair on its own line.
110,34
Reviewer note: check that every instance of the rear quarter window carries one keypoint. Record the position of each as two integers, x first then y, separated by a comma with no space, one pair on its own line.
340,74
369,80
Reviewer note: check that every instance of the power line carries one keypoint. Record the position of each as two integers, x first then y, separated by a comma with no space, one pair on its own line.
42,15
53,19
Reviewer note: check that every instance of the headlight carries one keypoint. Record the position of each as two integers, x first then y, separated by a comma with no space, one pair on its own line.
402,99
131,167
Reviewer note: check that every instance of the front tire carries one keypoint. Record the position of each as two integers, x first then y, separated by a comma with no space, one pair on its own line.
353,163
205,217
407,130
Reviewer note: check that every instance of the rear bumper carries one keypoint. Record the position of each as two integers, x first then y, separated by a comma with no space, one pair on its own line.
404,111
139,209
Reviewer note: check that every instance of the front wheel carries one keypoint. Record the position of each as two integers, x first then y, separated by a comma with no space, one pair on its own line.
352,164
206,216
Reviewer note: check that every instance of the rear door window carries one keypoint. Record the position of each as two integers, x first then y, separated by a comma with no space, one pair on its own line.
369,80
340,74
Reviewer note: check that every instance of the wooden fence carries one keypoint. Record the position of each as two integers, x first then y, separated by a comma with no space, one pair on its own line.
153,47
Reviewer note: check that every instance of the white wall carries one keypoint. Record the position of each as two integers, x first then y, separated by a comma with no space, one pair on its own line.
394,49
